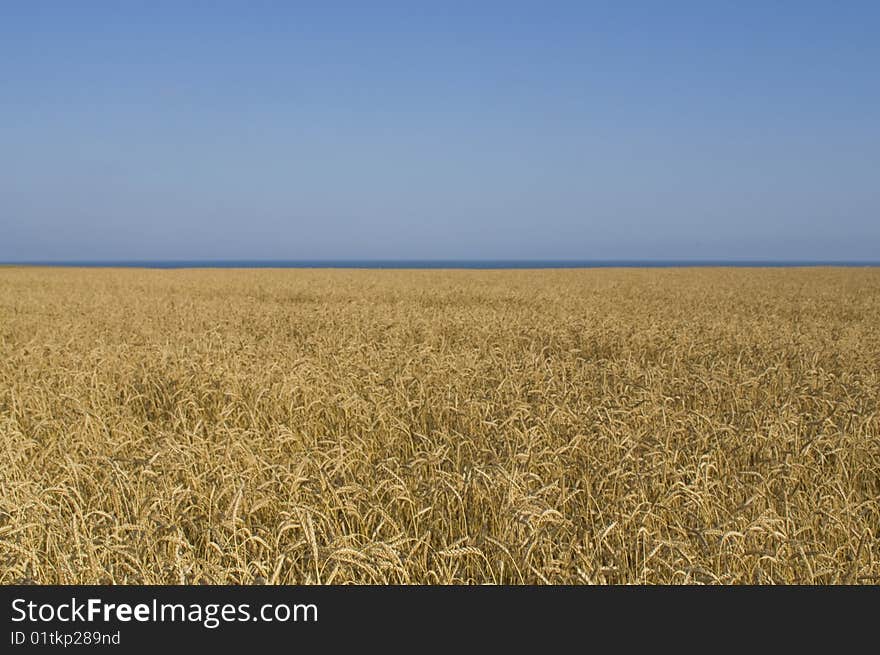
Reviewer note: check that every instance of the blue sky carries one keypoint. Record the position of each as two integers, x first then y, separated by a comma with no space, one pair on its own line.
411,130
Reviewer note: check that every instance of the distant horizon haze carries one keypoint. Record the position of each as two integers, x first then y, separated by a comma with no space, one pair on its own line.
465,264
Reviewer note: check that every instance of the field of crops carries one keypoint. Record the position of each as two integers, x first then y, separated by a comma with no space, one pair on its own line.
337,426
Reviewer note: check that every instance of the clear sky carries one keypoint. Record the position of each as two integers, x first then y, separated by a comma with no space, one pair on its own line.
415,130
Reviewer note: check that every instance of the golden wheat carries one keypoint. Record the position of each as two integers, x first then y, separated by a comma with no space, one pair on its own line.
333,426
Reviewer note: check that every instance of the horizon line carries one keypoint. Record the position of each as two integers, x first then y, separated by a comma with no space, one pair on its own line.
464,263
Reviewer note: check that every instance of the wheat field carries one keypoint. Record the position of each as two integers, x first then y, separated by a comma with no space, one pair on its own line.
440,426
